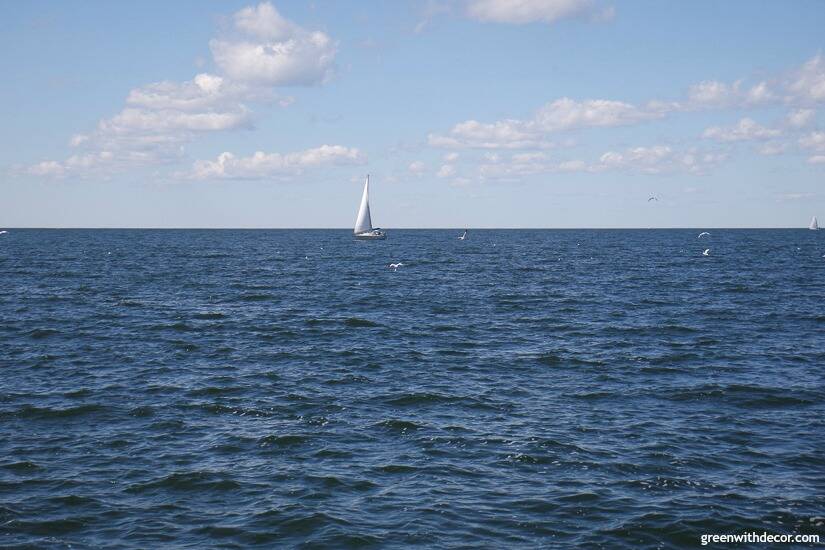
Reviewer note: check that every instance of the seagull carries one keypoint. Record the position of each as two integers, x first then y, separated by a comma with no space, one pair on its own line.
464,236
706,252
703,234
2,232
653,198
395,267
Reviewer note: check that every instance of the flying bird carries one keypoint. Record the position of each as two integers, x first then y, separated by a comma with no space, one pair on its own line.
395,266
653,198
2,232
464,236
706,252
703,234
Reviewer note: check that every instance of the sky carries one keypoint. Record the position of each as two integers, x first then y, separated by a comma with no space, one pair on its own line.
465,113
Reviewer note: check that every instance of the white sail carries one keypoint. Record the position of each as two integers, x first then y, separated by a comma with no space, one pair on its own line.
813,225
363,223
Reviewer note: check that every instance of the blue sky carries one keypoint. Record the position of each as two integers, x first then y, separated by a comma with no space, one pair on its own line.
477,113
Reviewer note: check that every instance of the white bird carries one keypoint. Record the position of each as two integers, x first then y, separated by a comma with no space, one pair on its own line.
2,232
464,236
703,234
395,267
706,252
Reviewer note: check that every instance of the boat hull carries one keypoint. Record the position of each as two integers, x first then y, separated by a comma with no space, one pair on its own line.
371,236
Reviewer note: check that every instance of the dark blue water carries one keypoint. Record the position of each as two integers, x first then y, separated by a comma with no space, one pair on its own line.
610,389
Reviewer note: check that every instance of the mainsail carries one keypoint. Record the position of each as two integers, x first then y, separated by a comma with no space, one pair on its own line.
363,223
813,225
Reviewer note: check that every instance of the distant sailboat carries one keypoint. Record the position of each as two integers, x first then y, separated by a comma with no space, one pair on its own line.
814,225
363,223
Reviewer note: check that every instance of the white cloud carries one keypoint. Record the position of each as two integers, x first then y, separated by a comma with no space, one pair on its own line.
557,116
261,165
78,139
205,92
712,93
816,159
265,23
75,164
530,11
417,168
274,51
525,158
759,94
804,86
161,117
658,159
446,171
431,9
797,196
745,130
572,166
772,148
808,82
475,135
451,157
47,168
566,114
800,118
169,121
715,94
813,140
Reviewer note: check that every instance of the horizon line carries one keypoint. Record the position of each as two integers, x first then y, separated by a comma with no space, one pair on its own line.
456,228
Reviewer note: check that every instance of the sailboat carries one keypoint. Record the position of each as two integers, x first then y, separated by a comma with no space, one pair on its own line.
363,223
814,226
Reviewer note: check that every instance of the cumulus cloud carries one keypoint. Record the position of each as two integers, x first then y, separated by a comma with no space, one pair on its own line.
158,120
711,92
273,51
567,114
47,168
802,86
800,118
557,116
261,165
417,168
808,82
205,92
656,159
816,159
772,149
715,94
505,134
446,171
264,50
745,130
814,141
534,11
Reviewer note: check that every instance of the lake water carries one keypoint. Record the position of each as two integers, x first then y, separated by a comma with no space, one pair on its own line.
549,388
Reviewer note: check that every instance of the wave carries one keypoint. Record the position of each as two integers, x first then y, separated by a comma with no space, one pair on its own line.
401,426
358,322
40,333
49,413
188,481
